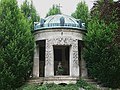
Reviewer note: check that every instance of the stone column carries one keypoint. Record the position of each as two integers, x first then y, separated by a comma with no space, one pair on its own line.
83,65
74,63
36,62
49,59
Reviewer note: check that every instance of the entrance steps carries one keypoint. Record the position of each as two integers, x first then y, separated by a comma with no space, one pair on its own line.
96,84
61,79
54,79
66,80
36,80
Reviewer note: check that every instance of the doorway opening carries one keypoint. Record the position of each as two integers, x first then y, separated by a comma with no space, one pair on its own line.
80,43
41,57
61,60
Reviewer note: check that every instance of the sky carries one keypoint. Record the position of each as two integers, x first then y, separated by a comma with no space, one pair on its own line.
67,6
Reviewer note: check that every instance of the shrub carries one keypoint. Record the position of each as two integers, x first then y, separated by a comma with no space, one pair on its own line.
16,46
102,43
102,55
85,85
43,87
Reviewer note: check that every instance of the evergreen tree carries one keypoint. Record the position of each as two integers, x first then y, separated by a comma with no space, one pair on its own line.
102,52
54,10
30,13
16,46
81,12
109,11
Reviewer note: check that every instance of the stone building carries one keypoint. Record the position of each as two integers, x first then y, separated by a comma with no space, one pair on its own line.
58,49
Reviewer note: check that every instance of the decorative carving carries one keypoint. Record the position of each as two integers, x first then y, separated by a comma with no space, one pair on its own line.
61,41
48,57
75,58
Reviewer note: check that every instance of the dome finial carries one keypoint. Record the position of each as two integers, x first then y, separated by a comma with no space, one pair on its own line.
59,6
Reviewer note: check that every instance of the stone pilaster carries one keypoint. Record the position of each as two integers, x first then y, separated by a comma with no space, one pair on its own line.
49,59
74,63
36,62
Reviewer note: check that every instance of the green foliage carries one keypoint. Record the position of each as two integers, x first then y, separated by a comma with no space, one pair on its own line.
67,87
29,87
85,85
102,44
43,87
51,86
80,84
110,13
30,13
16,46
81,12
54,10
6,77
101,53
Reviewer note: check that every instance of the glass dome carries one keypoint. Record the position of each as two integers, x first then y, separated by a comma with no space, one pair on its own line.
59,21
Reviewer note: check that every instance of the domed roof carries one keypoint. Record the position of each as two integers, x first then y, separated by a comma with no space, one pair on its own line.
60,21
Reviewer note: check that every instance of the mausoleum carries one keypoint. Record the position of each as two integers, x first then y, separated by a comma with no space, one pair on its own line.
58,49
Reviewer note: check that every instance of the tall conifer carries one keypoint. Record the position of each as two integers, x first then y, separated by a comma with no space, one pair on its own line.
16,46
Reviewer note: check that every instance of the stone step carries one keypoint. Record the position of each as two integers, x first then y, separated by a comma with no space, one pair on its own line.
93,82
57,78
89,80
35,80
60,79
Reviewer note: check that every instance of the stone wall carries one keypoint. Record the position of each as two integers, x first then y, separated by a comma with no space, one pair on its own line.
63,37
53,33
49,62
